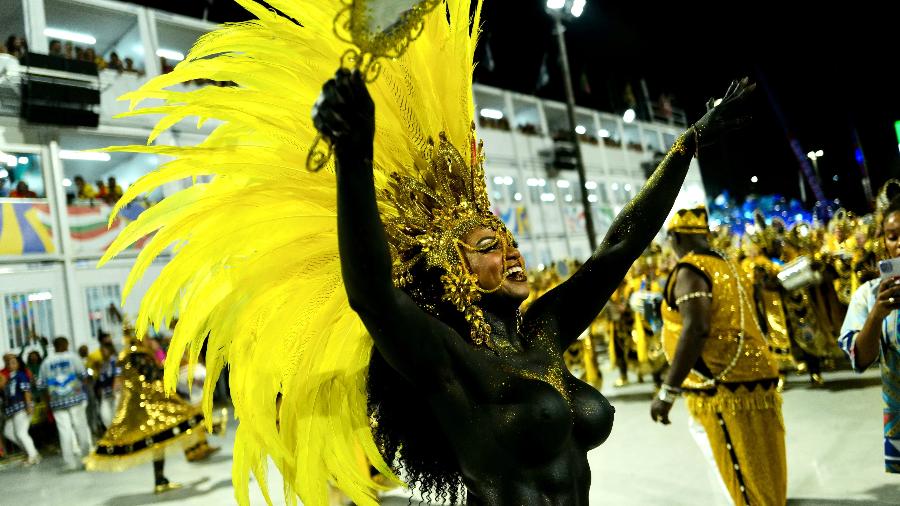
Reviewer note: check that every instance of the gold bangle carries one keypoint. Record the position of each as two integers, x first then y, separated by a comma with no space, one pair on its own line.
693,295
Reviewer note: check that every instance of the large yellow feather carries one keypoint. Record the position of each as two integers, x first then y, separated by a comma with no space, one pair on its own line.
256,269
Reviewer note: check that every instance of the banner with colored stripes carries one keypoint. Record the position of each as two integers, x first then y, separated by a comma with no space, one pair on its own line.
25,227
88,226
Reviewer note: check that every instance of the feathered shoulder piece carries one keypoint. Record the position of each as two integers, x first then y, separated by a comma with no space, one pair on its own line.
255,270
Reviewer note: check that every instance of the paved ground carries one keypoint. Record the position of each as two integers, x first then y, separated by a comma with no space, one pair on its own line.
834,457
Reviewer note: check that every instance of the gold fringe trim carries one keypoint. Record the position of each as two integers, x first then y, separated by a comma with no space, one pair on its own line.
115,463
724,400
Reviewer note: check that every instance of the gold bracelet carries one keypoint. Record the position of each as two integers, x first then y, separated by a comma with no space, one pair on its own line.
694,295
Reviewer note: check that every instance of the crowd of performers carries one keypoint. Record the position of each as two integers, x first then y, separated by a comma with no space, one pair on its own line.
803,277
690,306
108,406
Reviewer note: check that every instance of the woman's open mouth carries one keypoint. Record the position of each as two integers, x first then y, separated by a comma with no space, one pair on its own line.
516,273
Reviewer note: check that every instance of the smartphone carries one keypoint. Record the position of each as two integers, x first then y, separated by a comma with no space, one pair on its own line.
889,268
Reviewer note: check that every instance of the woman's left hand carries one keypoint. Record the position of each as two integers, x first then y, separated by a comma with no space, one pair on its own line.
730,113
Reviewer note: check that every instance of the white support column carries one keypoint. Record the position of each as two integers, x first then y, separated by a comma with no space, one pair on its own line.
150,41
542,119
602,193
57,195
35,22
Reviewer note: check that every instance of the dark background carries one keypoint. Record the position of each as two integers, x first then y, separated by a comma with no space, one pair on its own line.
829,67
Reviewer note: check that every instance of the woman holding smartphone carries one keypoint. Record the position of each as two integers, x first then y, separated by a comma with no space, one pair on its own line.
870,332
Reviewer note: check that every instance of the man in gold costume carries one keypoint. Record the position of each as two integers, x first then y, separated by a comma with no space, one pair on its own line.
799,324
720,361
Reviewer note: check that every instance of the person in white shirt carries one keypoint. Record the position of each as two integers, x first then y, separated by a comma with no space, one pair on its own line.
62,375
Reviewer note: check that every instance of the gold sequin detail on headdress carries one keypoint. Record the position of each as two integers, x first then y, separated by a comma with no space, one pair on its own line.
433,212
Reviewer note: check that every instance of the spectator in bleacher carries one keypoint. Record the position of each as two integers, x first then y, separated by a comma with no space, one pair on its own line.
129,67
56,48
69,51
114,62
79,53
113,189
102,192
84,190
164,65
16,46
22,192
91,56
4,191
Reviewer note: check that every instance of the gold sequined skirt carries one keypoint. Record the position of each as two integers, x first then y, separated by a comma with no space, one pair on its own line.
147,423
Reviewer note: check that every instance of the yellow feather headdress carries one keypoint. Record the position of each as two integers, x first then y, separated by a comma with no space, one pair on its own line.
255,270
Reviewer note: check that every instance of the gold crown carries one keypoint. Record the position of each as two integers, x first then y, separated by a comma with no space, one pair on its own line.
690,221
426,218
887,193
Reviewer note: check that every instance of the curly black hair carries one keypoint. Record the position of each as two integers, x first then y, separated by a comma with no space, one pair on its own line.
403,431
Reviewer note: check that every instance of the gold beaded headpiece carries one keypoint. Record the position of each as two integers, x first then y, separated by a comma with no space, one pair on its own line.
690,221
765,235
426,218
890,190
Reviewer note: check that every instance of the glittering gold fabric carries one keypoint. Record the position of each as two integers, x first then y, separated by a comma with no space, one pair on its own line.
772,307
719,350
146,421
740,414
746,432
428,216
813,320
690,221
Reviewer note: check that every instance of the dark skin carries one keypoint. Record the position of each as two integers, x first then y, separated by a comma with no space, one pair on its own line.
518,439
868,341
695,314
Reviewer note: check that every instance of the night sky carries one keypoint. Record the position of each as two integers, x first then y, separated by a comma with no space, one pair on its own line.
829,68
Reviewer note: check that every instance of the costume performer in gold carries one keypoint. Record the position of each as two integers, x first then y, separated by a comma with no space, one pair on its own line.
768,296
645,293
814,311
721,363
386,319
147,421
619,321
